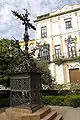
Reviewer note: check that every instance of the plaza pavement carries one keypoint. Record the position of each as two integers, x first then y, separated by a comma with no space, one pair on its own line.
69,113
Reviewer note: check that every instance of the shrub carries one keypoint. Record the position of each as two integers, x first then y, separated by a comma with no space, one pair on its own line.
75,101
75,86
60,101
54,100
48,100
70,100
56,92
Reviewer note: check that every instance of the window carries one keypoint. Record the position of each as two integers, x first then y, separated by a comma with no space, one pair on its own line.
43,32
72,50
44,52
57,51
68,23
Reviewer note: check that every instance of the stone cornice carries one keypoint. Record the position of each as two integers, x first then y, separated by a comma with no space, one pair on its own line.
47,16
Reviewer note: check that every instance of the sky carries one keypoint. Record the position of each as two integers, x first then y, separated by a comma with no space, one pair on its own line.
11,26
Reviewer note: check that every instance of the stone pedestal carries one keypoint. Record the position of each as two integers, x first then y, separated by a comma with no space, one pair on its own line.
44,113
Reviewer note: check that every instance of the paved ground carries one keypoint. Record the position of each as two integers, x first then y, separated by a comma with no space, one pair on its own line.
69,113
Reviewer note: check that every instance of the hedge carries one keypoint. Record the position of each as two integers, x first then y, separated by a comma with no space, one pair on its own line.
60,92
71,100
75,100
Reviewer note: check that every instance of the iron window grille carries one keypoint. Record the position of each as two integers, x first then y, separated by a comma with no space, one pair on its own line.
57,51
44,52
43,32
68,23
72,50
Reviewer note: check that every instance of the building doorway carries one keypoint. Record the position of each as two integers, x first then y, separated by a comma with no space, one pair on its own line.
74,75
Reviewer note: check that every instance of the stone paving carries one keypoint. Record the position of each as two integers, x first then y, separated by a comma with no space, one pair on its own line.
69,113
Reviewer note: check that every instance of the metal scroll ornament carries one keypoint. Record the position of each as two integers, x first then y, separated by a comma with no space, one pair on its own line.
25,81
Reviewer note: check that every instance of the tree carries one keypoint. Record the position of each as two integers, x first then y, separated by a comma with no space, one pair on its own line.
46,76
6,62
4,59
9,64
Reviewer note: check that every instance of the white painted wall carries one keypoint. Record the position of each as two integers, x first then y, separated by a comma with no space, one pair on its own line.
78,19
59,74
38,36
57,40
55,28
51,67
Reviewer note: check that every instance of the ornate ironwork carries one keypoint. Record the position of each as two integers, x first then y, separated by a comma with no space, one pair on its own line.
25,90
27,24
25,83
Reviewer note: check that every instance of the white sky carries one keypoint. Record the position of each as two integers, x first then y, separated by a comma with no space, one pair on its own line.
10,26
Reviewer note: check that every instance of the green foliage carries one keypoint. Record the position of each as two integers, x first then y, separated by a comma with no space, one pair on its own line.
58,86
5,80
4,54
72,87
5,59
9,64
48,100
75,86
46,75
79,56
55,100
6,62
70,100
60,101
75,101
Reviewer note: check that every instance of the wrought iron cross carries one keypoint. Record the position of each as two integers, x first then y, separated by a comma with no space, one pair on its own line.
26,22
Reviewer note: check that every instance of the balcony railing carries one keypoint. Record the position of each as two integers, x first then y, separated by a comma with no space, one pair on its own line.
63,58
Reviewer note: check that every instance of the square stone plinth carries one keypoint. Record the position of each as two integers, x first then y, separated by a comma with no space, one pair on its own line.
44,113
25,114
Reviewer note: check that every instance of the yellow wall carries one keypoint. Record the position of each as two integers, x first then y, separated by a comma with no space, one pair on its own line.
22,43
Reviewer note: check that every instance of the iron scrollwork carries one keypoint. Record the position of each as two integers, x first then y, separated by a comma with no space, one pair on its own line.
25,83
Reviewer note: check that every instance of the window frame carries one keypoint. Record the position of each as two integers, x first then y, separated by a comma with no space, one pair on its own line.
43,31
68,23
57,51
72,53
44,52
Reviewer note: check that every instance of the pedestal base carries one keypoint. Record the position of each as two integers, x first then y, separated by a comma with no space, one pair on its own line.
44,113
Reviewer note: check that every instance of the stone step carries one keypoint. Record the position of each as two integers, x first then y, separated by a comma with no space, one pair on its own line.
3,116
16,112
36,108
59,117
42,112
50,116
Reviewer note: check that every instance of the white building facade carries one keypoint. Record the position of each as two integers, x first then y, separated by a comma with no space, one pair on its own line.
59,32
